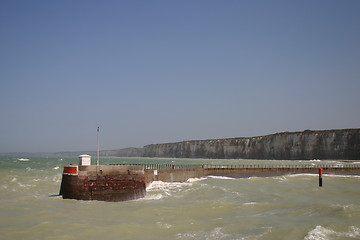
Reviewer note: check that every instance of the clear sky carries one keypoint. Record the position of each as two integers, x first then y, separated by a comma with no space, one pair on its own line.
166,71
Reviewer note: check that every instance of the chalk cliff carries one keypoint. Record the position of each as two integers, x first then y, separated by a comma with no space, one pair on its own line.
325,144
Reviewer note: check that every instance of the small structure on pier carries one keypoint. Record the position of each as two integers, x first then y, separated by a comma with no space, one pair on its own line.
84,160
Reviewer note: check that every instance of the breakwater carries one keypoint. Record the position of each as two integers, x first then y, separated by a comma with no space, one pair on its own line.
103,182
325,144
126,182
173,173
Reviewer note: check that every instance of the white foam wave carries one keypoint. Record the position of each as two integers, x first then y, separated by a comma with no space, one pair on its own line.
25,185
322,233
216,233
163,225
23,159
249,203
315,160
316,175
57,167
325,175
57,178
15,180
341,176
281,178
158,189
192,180
344,207
237,194
221,177
303,175
150,196
159,185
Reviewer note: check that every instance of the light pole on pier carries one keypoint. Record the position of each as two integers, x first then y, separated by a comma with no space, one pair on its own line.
98,148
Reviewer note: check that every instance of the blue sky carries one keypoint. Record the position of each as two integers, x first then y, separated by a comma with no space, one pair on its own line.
165,71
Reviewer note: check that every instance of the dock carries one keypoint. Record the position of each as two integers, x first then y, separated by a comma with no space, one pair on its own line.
127,182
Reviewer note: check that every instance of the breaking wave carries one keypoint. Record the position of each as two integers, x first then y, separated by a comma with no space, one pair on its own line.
322,233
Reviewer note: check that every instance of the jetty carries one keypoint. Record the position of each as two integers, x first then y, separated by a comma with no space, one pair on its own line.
122,182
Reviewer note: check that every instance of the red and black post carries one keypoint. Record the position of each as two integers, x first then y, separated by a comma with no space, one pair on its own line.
320,177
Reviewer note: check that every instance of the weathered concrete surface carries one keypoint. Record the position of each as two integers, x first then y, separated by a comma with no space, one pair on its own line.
94,170
105,183
326,144
173,175
182,175
127,182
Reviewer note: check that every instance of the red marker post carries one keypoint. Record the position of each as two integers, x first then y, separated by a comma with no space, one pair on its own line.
320,177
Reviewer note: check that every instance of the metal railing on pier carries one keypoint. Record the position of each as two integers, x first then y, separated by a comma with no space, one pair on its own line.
256,166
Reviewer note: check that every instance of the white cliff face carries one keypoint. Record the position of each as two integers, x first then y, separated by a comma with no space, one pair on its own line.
327,144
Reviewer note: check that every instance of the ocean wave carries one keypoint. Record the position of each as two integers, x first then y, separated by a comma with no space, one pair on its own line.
158,189
150,196
249,203
216,233
348,207
281,178
221,178
23,159
322,233
341,176
164,186
15,182
57,178
316,175
219,233
192,180
303,175
163,225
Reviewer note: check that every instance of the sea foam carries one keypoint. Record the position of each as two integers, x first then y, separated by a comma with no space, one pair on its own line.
221,177
322,233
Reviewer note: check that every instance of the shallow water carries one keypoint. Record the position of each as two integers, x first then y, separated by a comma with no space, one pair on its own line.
285,207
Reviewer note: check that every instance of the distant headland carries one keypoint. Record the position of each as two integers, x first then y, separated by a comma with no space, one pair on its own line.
338,144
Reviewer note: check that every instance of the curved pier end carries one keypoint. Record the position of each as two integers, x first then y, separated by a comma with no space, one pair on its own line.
111,183
115,183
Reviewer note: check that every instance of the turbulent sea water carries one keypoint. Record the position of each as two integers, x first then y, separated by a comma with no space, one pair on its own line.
284,207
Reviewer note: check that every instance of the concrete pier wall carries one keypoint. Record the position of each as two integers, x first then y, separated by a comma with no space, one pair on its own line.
105,183
94,170
173,175
128,182
182,175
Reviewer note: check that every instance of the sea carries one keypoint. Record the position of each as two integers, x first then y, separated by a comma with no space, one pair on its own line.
257,208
